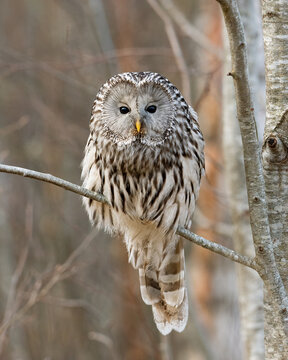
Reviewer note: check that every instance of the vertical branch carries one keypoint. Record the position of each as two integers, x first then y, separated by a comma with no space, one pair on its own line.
12,299
189,30
44,283
249,283
165,348
102,30
176,48
251,16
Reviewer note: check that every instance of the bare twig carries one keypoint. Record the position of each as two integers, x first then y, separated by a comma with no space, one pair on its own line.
165,348
71,303
45,283
250,286
15,126
12,299
176,48
59,70
105,340
205,91
84,61
189,30
217,248
53,180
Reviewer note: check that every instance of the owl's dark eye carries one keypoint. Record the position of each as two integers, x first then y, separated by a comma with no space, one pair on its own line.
124,109
151,109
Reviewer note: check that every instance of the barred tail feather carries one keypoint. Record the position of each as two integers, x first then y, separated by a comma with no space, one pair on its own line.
165,290
171,275
168,318
149,286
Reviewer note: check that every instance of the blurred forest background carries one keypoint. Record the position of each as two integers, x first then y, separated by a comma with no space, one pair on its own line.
66,290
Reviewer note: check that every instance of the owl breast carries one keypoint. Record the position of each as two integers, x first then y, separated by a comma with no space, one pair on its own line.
156,185
142,175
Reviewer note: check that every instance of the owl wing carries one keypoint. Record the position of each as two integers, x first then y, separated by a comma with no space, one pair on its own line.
193,118
90,176
94,178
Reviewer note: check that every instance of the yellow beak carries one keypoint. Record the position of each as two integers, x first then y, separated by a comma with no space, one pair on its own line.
138,125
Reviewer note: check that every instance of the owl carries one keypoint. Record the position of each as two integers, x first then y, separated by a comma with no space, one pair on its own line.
145,154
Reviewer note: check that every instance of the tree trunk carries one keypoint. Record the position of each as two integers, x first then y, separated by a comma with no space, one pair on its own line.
275,162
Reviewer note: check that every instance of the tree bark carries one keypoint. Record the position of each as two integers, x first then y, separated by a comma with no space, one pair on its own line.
275,163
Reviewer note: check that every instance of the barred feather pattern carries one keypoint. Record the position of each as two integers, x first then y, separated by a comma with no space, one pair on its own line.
151,179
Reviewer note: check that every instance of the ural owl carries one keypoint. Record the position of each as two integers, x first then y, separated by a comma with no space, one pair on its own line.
145,154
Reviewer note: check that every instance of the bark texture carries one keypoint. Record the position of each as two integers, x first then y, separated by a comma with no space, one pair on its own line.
275,163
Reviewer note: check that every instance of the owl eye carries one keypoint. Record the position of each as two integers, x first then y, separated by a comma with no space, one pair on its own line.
151,109
124,109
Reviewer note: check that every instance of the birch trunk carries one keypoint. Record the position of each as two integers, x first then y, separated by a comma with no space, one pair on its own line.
249,283
263,219
275,31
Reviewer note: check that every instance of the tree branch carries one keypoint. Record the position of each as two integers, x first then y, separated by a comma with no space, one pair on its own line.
190,30
175,46
44,283
250,286
245,114
217,248
53,180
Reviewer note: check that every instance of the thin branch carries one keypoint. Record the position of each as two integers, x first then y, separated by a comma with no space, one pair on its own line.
47,281
189,30
105,340
217,248
59,70
205,91
12,299
71,303
245,114
251,308
15,126
53,180
10,67
176,48
165,348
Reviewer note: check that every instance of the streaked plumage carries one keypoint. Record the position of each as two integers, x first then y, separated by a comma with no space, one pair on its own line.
145,154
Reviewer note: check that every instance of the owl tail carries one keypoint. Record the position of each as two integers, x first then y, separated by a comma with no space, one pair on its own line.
165,290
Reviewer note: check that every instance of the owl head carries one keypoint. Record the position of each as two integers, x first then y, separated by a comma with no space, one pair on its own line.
136,107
